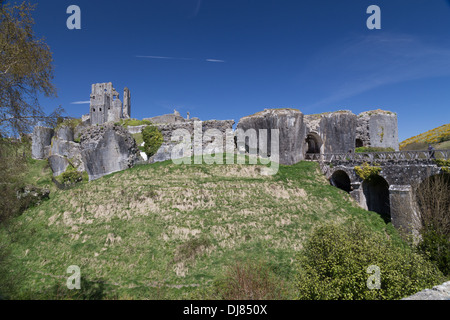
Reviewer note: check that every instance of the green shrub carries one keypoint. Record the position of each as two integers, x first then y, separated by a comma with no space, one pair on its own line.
366,171
436,246
72,123
153,139
250,280
71,175
132,122
333,266
373,149
443,164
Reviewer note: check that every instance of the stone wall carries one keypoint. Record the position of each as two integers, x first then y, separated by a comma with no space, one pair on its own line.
166,119
378,128
291,128
165,151
337,130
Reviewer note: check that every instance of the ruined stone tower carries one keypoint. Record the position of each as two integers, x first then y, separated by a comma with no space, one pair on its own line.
126,103
106,105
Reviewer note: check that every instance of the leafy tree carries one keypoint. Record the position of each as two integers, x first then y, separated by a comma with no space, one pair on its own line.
153,140
433,206
26,71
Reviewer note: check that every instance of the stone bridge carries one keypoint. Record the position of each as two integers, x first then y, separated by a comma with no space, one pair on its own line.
391,192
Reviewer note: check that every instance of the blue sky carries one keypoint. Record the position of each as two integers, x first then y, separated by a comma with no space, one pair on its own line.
222,59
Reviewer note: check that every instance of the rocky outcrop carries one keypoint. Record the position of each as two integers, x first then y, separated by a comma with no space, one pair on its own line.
378,128
107,149
291,128
58,164
64,146
32,195
441,292
65,133
41,138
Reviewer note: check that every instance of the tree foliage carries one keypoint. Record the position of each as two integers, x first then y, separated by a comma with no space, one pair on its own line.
153,140
433,206
26,71
334,263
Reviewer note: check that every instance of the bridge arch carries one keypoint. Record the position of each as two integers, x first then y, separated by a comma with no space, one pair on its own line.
340,179
375,191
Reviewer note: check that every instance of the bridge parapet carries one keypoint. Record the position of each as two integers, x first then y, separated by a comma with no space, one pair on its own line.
410,157
401,173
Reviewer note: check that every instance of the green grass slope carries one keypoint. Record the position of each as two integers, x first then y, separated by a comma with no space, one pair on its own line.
438,137
166,231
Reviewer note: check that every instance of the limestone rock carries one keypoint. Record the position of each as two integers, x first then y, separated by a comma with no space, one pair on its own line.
441,292
65,133
58,164
33,195
41,138
107,149
291,128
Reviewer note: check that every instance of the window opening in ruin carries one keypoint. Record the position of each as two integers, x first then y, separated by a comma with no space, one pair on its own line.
359,143
313,143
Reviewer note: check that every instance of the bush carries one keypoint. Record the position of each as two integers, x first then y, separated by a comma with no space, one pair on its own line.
132,122
248,280
433,206
373,149
12,167
334,263
436,247
366,171
153,139
71,175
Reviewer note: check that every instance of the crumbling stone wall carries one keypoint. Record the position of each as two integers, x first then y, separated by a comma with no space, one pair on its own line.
337,130
106,105
378,128
292,131
225,127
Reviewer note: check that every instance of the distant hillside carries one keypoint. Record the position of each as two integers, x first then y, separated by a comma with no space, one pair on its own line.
166,231
439,138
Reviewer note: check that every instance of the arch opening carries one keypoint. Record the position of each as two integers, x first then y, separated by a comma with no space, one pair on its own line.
341,180
359,143
376,192
313,145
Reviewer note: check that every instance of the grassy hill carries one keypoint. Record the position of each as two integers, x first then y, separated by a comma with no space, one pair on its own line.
439,138
164,231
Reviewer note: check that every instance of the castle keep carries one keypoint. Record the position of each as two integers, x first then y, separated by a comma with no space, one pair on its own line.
106,105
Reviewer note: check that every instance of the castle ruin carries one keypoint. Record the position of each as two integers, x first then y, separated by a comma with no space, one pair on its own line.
106,105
